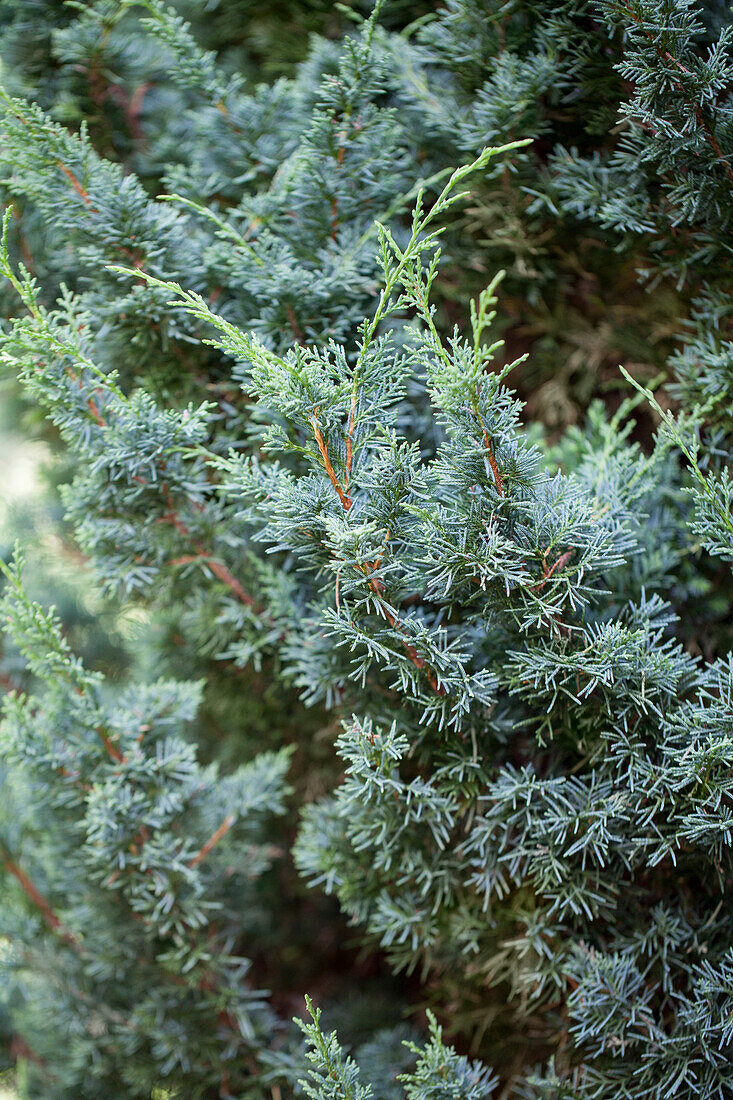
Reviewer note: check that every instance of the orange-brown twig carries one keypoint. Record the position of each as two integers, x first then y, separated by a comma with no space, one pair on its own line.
111,748
377,587
293,322
343,497
51,918
20,1049
213,840
495,471
91,402
76,185
561,562
94,410
220,570
369,567
134,107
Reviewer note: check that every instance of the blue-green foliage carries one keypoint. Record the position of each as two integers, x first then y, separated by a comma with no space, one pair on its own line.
129,849
439,1073
283,449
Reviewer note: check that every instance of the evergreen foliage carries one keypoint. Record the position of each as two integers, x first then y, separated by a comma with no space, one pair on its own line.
134,838
285,393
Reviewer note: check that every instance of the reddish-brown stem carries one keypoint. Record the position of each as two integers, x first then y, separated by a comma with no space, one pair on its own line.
25,252
134,109
334,218
135,255
253,226
561,562
213,840
495,471
94,410
91,402
419,662
51,918
343,497
704,125
293,322
77,186
223,573
8,683
67,171
20,1049
218,568
377,587
111,748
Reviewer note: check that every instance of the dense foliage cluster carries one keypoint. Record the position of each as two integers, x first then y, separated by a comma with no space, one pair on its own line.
454,654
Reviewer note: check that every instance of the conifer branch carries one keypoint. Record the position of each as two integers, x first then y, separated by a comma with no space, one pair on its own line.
533,777
212,841
217,567
666,55
31,891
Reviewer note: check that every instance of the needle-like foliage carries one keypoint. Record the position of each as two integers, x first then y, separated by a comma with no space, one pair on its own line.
301,454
